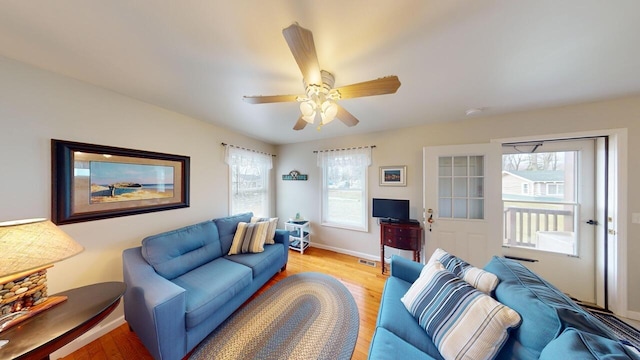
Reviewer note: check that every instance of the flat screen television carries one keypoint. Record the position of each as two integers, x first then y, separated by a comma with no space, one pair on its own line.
391,209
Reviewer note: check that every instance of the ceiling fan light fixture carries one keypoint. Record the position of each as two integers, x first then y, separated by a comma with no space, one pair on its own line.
318,104
309,118
307,108
328,111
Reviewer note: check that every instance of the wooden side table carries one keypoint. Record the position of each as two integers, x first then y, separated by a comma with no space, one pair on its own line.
405,236
50,330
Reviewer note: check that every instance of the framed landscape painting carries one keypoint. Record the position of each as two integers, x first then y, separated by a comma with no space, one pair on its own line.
393,175
91,182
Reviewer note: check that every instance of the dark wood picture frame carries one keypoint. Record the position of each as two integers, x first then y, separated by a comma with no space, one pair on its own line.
92,182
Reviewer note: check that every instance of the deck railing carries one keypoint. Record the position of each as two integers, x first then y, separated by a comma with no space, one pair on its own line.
522,224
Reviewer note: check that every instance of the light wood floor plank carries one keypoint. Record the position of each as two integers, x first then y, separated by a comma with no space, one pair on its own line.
364,282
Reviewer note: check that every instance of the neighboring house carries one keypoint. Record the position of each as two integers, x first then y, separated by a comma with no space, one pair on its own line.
530,185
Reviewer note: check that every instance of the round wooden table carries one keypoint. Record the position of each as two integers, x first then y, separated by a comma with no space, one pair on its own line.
50,330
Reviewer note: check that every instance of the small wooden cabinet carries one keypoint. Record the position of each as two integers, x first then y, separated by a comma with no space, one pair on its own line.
405,236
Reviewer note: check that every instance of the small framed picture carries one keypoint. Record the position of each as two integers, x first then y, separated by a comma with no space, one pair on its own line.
393,175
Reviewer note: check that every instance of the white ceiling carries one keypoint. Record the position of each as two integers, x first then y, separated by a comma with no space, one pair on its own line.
200,57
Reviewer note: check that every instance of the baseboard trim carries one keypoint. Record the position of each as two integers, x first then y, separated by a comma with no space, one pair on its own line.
86,338
346,252
634,315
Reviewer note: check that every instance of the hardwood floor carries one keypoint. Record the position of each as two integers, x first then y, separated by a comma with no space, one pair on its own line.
364,282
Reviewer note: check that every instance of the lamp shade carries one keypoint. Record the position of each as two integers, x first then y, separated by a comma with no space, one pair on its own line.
29,244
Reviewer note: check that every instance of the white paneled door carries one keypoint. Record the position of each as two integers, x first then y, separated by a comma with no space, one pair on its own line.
462,199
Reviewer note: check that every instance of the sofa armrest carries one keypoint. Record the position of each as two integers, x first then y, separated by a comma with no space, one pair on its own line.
405,269
282,237
154,307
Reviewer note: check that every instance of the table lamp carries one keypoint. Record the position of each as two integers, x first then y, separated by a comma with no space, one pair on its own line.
29,248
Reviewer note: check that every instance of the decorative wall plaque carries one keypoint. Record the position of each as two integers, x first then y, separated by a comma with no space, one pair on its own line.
294,175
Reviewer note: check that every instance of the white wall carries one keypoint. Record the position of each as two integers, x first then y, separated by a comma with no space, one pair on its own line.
36,106
404,147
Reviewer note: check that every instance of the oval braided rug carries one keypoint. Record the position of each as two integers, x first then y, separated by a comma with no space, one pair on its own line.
304,316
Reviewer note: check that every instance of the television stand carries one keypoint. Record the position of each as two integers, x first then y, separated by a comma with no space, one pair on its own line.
400,235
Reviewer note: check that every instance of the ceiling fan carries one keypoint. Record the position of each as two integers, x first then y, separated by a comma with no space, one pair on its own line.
319,100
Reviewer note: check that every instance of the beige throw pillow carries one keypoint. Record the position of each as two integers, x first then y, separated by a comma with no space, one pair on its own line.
249,238
273,224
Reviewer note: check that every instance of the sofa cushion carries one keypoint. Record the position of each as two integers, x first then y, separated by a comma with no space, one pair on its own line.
249,238
210,286
478,278
394,317
575,344
546,312
260,262
386,345
227,228
176,252
462,321
273,225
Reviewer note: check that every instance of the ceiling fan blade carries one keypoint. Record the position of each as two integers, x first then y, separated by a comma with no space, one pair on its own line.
300,41
382,86
346,117
300,124
269,99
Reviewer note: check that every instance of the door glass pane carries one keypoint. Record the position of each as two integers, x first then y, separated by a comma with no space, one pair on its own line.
460,166
460,208
539,197
445,207
476,166
445,166
460,187
476,187
444,185
476,209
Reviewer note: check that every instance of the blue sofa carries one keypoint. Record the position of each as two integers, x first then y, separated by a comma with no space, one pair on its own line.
182,284
552,327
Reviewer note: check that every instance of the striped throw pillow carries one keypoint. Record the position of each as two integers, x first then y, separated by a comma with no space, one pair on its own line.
273,224
249,238
463,323
478,278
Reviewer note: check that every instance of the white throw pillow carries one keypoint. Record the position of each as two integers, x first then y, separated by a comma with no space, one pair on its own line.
478,278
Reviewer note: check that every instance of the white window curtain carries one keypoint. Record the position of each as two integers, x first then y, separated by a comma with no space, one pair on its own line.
354,157
249,180
344,187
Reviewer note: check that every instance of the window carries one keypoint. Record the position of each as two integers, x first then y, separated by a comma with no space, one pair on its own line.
344,187
461,187
555,189
249,179
545,218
